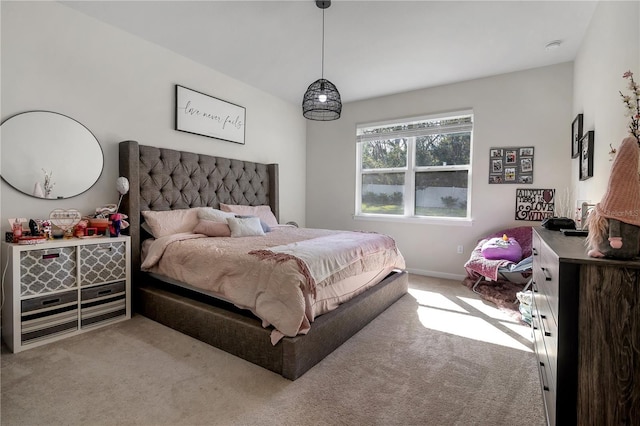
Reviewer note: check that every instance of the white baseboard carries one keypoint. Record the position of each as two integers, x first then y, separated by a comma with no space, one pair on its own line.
436,274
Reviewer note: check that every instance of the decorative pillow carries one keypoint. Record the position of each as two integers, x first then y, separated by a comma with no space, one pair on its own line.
266,228
246,227
145,226
209,213
263,212
212,229
499,248
163,223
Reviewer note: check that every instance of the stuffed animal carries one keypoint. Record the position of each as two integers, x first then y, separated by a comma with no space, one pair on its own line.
614,223
622,242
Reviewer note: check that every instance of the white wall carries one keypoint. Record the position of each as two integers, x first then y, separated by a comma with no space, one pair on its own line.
610,47
529,108
122,87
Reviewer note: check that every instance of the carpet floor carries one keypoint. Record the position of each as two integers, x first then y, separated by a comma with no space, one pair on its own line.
501,293
438,356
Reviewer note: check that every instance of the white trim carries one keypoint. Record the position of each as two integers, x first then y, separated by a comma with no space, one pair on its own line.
435,274
425,220
430,117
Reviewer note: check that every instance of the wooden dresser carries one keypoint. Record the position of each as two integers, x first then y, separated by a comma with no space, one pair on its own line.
586,327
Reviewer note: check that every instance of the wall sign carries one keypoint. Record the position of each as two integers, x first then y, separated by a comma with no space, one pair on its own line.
511,165
534,204
208,116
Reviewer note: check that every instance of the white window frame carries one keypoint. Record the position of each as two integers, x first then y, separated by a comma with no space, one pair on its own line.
410,170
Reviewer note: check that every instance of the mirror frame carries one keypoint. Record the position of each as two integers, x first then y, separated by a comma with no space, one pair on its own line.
75,154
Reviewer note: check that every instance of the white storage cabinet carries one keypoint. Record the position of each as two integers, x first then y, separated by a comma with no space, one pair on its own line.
64,287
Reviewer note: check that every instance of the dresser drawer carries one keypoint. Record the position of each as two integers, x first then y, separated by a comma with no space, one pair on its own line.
547,328
546,274
103,303
48,270
49,315
548,391
546,367
101,263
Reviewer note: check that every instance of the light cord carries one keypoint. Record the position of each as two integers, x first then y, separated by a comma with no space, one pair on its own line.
322,72
4,272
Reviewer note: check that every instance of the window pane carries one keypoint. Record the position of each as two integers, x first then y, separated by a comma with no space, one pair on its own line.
382,193
384,154
441,150
441,193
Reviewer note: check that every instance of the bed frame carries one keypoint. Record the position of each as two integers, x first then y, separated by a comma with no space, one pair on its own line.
166,179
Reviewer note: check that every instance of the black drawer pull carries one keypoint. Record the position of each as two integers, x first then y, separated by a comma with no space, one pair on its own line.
547,274
50,301
544,329
543,371
107,291
50,256
534,251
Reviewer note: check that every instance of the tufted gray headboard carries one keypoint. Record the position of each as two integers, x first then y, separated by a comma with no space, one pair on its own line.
166,179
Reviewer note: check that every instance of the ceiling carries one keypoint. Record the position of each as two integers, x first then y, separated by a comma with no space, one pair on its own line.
372,48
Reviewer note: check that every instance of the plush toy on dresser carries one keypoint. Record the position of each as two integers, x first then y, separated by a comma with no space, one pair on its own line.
614,224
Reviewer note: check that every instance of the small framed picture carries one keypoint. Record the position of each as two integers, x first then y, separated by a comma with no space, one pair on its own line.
586,155
495,153
576,135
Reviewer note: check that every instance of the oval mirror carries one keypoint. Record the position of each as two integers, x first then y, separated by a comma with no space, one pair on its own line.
49,155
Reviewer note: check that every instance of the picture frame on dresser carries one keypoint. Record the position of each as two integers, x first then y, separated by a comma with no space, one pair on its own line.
586,155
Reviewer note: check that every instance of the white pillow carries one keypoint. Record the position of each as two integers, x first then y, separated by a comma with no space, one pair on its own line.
245,227
215,215
163,223
263,212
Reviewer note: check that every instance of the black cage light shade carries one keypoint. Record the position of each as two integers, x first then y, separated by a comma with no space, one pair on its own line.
322,101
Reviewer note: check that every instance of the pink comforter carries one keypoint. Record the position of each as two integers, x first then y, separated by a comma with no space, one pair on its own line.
275,275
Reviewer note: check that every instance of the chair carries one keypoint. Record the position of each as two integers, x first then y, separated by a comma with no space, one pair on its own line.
479,268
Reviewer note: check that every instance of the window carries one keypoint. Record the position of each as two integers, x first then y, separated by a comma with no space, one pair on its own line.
418,167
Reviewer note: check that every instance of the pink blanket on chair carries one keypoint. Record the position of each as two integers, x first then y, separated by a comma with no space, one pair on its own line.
478,266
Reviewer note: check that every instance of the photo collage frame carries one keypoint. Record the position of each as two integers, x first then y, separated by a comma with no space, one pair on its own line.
511,165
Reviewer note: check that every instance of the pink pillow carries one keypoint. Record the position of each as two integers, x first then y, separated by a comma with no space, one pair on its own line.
497,248
163,223
212,229
262,212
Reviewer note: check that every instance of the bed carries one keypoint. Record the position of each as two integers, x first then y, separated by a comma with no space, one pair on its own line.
165,180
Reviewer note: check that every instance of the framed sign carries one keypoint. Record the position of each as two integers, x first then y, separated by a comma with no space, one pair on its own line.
208,116
534,204
511,165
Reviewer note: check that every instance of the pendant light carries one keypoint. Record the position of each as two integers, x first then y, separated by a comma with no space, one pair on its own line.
322,100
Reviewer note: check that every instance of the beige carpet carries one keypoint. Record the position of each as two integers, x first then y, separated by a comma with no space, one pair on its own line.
439,356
